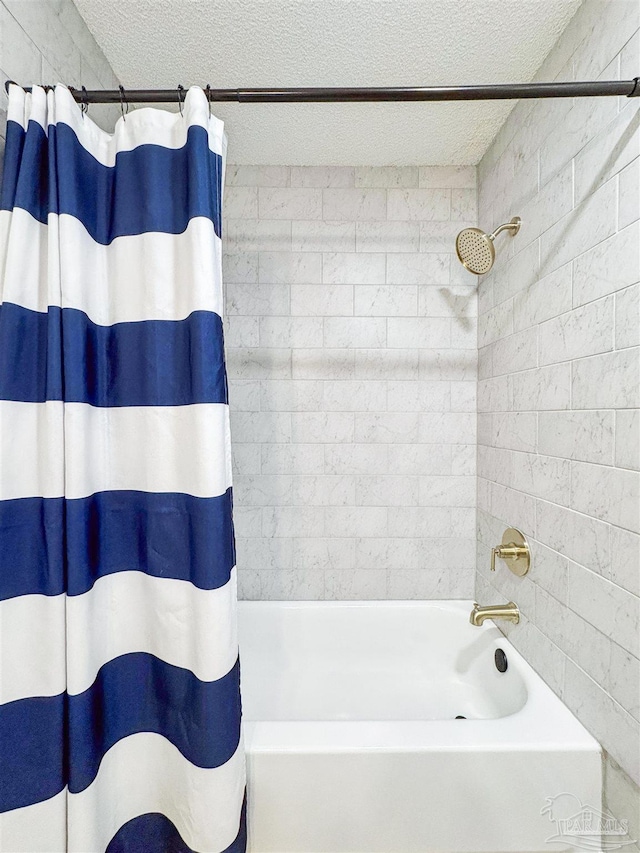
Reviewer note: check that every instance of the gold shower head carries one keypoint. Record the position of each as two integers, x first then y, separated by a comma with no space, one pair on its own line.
476,251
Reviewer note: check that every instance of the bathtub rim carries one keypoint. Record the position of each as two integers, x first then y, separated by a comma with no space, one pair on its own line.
544,723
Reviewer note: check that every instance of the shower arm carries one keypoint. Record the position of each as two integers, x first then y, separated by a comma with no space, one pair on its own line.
513,226
592,89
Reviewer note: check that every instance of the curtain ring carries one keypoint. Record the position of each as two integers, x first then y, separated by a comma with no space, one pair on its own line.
181,99
208,90
85,103
123,102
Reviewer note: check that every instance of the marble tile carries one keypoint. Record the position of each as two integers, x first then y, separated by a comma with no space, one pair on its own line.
627,317
263,300
609,381
324,490
459,303
386,490
260,554
609,266
259,363
516,352
415,268
583,643
621,797
260,426
257,235
419,396
440,236
356,584
583,436
257,176
422,584
543,388
419,332
322,176
369,522
321,300
291,395
515,430
624,680
610,494
291,521
447,428
241,202
544,477
545,298
291,332
447,176
244,395
386,176
629,181
419,204
356,459
628,439
603,717
330,364
612,610
447,491
312,236
361,332
386,427
292,458
354,205
290,268
591,222
625,559
322,427
584,540
353,268
289,203
386,300
355,396
584,331
387,236
607,153
421,459
464,205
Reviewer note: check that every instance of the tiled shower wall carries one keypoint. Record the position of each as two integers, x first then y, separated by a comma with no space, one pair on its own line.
46,41
559,390
351,347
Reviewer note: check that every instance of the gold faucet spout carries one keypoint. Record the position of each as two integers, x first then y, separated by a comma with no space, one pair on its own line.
509,612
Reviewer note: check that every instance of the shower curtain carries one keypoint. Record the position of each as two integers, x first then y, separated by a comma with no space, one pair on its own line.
119,679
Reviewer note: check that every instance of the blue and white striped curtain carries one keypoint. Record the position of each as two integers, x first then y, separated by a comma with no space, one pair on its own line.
119,681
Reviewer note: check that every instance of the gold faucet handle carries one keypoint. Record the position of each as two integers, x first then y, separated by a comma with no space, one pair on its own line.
515,549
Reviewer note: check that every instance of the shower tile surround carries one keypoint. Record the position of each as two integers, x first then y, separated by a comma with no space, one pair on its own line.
351,349
559,385
47,41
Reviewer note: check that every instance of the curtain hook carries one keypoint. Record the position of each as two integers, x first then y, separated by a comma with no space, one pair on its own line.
181,98
123,102
208,90
85,103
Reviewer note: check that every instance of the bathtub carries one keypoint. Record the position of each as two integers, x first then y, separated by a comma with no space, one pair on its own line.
352,740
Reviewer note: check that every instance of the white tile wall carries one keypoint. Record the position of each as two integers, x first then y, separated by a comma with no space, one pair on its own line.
351,341
46,41
559,390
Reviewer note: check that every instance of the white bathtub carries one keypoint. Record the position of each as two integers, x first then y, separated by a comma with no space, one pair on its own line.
353,746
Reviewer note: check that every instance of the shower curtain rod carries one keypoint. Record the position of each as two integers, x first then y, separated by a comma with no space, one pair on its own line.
593,89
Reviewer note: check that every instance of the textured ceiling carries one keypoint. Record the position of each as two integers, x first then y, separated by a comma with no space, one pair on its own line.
247,43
